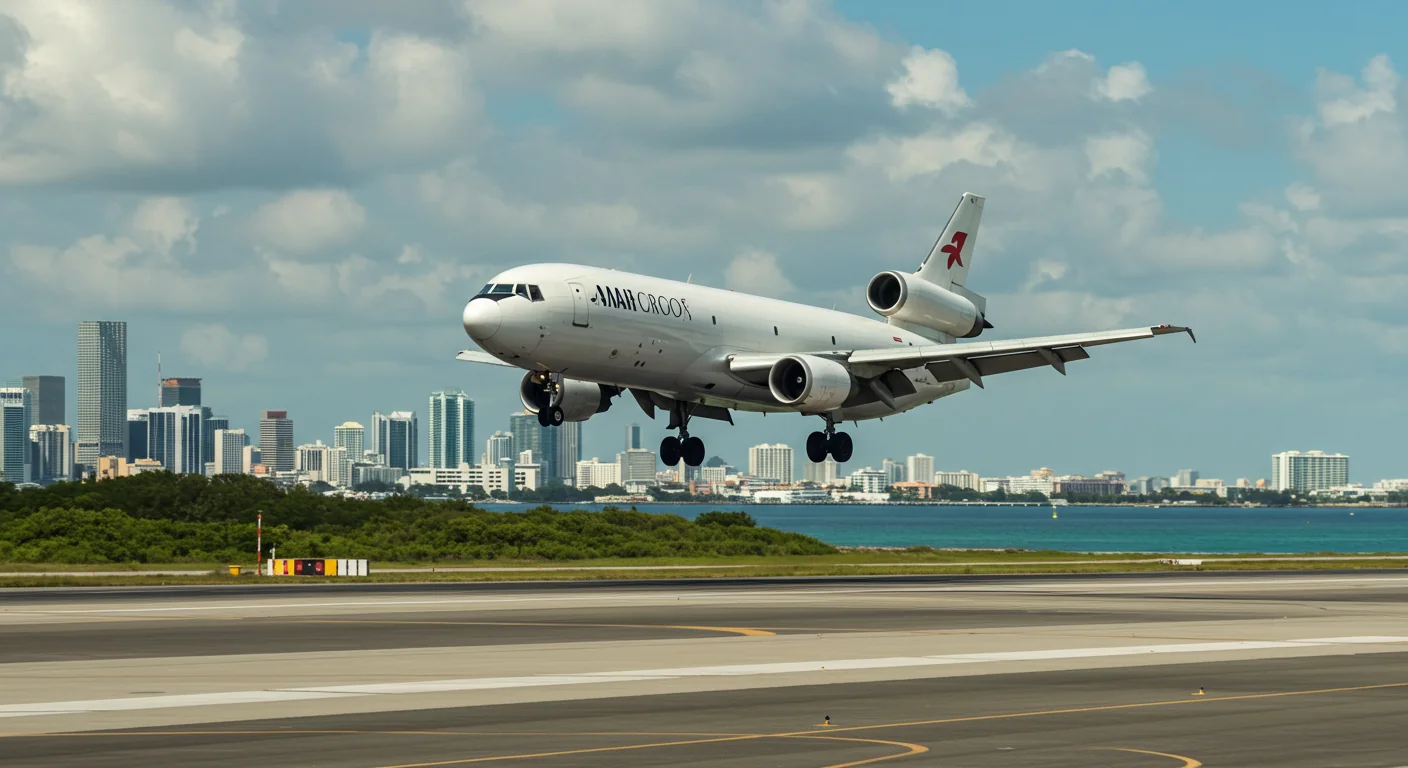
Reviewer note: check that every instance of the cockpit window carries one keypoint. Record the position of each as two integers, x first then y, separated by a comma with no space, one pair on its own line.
503,289
522,290
534,293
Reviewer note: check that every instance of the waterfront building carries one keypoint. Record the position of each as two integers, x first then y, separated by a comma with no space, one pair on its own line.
276,441
375,473
47,399
917,490
451,428
960,479
894,470
597,474
821,473
1040,481
1184,478
990,484
792,496
771,463
637,466
498,447
569,452
529,435
396,438
1095,486
176,438
228,457
715,476
180,391
869,480
52,446
465,476
1309,471
102,391
919,468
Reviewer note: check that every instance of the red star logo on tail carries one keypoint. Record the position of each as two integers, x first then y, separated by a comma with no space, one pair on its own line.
955,249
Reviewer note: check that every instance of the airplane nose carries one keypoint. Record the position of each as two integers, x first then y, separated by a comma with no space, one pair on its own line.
482,318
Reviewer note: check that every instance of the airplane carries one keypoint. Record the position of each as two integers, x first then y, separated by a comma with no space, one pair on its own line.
586,335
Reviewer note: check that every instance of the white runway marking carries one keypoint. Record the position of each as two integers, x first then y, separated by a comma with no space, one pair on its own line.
492,683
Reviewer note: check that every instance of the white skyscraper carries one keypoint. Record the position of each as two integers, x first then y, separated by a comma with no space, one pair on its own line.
229,452
53,449
351,436
451,429
1310,471
960,479
919,468
176,438
894,471
823,473
498,447
315,461
771,462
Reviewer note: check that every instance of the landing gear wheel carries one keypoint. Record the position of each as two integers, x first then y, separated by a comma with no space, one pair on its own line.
544,417
670,451
692,449
840,446
556,416
816,447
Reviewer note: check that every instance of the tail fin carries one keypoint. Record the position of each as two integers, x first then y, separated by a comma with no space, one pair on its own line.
948,262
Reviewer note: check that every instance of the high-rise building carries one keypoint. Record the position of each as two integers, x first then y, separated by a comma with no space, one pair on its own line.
176,438
52,446
771,462
47,395
19,397
633,437
529,435
919,468
498,447
1310,471
14,443
180,391
102,390
22,397
315,461
350,436
595,474
229,452
212,423
396,438
251,457
451,429
1185,478
569,451
960,479
894,471
637,466
823,473
276,441
136,435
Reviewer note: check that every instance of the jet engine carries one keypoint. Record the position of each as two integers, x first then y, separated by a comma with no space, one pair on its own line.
813,384
579,400
914,300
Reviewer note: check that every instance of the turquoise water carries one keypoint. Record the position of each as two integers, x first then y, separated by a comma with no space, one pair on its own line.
1078,529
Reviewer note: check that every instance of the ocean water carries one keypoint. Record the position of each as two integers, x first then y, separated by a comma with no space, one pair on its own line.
1077,529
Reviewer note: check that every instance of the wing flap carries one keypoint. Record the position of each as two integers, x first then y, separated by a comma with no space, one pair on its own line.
945,370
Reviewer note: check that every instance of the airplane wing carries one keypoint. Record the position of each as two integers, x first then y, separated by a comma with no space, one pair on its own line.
970,360
475,356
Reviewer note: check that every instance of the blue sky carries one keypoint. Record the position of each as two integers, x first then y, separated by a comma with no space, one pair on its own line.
294,200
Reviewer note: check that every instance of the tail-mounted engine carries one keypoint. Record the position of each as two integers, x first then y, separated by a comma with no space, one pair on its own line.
812,384
579,400
914,300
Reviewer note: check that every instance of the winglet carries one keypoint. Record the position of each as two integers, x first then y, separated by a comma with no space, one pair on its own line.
1160,330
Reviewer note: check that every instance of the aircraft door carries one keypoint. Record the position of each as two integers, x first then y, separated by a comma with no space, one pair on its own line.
581,308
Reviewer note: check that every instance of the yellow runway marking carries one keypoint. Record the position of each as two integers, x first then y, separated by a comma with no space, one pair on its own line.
911,749
1188,762
745,631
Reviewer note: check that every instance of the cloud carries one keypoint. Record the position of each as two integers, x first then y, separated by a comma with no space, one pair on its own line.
309,220
930,80
1126,153
1342,102
215,346
162,222
1124,82
757,272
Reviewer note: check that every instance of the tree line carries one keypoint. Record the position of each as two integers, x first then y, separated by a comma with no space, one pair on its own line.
165,518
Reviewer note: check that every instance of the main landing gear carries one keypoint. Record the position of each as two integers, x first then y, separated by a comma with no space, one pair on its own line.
837,444
672,448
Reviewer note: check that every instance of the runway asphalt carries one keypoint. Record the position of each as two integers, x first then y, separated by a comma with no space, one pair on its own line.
1304,670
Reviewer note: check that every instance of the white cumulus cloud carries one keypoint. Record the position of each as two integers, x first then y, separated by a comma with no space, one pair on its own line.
216,346
1124,82
1127,153
756,271
930,80
1342,101
309,220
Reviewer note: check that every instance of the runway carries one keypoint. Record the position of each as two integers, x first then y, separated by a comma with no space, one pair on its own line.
1297,670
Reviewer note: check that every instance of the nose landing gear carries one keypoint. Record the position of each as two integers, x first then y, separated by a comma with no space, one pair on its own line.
837,444
673,449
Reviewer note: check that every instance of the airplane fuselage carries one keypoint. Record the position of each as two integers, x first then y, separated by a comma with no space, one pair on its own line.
633,331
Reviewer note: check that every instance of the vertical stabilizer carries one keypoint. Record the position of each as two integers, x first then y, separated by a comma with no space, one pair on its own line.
948,261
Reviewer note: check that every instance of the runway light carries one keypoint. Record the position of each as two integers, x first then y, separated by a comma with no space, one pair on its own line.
1201,692
826,723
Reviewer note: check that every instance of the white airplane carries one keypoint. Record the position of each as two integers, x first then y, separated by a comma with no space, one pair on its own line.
585,335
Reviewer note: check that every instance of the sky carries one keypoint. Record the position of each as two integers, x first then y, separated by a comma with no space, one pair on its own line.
293,201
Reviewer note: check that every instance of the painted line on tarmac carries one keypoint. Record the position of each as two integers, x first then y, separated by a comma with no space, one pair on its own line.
1363,644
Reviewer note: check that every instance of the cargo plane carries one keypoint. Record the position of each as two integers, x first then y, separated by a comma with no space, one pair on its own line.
586,335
